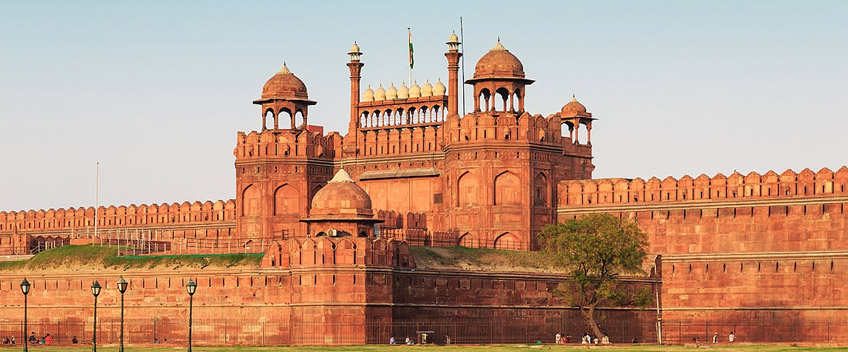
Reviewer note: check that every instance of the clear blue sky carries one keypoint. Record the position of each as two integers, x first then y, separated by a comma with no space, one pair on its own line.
156,91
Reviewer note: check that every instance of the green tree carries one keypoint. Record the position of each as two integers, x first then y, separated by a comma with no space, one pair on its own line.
596,249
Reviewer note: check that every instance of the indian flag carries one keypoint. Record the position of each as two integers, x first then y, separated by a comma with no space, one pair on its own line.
411,60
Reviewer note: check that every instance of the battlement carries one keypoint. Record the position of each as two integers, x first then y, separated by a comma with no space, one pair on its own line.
509,126
770,185
118,216
286,144
396,220
334,251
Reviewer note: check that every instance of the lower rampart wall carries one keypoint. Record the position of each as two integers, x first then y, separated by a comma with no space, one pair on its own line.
771,270
774,297
318,305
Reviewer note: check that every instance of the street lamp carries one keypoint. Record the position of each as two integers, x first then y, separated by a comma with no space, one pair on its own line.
25,290
95,290
191,287
122,287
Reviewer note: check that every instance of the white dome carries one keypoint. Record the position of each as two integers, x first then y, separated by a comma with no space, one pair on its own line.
368,95
403,92
415,91
453,39
427,89
391,93
355,47
439,88
380,94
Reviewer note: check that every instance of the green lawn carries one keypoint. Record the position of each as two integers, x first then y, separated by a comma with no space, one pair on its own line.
94,256
493,348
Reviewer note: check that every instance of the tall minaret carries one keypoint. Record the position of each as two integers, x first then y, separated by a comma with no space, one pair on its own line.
355,70
453,56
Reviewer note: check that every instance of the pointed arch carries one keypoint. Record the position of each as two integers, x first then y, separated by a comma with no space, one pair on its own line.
286,200
507,241
468,190
467,240
540,190
250,201
507,189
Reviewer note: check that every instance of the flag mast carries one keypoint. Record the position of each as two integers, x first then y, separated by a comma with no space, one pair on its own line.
462,47
96,195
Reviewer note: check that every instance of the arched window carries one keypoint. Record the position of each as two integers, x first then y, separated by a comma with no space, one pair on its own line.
540,188
268,121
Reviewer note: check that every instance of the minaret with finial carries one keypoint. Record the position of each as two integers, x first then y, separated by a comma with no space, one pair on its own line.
453,56
355,67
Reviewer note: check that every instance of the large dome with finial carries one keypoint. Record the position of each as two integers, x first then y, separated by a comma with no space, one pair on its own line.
284,85
499,63
341,198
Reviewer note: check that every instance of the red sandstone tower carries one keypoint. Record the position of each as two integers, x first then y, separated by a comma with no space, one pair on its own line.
502,163
279,169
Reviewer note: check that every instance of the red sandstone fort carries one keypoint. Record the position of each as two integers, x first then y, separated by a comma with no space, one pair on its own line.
764,255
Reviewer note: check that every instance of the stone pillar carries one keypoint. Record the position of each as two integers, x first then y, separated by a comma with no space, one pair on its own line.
453,81
351,139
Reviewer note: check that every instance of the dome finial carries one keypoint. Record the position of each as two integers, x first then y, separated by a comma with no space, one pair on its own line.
341,176
498,46
284,70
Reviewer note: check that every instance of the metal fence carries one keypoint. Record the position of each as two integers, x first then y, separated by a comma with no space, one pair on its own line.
257,332
757,330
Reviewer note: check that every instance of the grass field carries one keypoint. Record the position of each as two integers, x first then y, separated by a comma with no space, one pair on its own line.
493,348
97,257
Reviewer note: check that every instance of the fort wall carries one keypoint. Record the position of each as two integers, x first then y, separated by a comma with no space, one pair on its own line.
324,291
761,255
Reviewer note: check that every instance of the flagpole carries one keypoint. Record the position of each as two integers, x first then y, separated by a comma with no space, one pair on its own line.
462,46
96,195
409,37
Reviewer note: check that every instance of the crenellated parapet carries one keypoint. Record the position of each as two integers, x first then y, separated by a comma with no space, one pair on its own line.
121,216
338,251
286,144
787,184
506,127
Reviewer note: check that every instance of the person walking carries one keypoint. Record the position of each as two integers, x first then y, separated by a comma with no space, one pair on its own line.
732,337
715,338
558,338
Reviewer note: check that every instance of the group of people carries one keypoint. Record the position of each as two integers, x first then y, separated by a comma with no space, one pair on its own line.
411,342
34,340
559,338
730,338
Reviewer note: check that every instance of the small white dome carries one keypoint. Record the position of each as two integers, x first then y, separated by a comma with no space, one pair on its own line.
368,95
453,38
391,93
403,92
355,47
415,91
380,94
439,88
427,89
